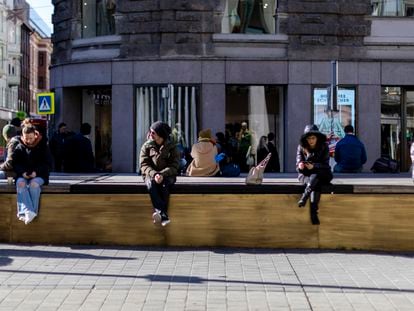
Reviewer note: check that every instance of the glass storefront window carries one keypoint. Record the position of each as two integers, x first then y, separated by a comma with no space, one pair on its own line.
249,16
409,126
173,104
252,113
392,7
390,122
98,18
397,124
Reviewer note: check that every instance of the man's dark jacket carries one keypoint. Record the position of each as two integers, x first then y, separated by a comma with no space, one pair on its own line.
350,153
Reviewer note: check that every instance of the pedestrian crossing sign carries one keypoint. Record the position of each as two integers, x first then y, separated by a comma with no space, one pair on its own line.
45,103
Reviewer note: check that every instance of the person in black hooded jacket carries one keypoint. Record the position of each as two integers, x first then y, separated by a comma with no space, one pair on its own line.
312,164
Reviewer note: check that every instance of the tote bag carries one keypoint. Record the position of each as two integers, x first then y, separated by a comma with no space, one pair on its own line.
255,176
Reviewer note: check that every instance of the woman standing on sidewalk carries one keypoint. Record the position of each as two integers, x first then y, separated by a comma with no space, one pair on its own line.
31,165
312,164
160,161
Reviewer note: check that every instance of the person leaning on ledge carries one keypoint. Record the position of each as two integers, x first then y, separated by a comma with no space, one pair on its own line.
350,153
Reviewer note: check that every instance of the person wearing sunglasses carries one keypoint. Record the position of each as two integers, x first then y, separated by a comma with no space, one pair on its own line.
159,163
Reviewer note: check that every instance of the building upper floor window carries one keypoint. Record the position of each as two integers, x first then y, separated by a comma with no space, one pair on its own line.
249,16
98,18
41,59
392,7
40,83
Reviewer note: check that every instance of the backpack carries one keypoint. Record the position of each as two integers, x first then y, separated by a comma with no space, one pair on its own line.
385,165
230,170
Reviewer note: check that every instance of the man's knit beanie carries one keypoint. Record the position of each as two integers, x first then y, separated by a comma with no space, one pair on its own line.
162,129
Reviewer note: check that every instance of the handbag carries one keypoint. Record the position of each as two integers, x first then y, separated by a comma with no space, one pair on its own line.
249,157
255,176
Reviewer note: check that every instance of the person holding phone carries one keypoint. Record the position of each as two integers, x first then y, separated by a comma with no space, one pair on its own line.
312,165
31,165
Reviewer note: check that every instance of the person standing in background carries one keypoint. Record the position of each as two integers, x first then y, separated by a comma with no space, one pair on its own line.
57,146
412,160
10,136
79,156
274,164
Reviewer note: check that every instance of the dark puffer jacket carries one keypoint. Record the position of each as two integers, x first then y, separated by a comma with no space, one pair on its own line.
163,159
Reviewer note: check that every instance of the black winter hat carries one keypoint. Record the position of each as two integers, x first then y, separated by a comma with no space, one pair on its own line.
312,129
162,129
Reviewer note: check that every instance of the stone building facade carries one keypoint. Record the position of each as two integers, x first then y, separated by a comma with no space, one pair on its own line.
120,65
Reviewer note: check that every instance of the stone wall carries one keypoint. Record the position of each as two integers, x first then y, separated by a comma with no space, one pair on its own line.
325,29
148,28
66,23
167,28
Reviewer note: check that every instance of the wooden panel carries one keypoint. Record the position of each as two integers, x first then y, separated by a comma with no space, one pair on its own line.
197,220
382,222
90,219
241,221
351,221
7,207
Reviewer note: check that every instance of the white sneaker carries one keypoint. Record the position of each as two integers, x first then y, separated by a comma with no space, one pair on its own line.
29,216
21,218
156,217
165,222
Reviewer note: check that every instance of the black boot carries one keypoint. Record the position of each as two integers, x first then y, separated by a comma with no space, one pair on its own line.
314,197
305,196
310,186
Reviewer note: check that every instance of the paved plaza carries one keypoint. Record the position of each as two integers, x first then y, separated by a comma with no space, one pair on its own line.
38,277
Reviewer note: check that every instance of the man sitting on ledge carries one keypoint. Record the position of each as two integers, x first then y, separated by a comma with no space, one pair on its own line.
350,153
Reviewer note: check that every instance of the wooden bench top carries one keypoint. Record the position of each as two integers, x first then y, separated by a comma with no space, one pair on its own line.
272,184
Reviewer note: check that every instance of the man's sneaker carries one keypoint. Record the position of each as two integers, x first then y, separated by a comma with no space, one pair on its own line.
29,216
156,217
165,220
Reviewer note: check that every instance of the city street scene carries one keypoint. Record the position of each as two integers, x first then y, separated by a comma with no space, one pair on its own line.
206,155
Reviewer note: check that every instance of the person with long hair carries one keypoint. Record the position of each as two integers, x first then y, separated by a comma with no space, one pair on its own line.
312,164
31,165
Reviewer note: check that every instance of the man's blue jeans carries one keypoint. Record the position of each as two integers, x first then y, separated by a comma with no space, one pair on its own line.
160,193
28,194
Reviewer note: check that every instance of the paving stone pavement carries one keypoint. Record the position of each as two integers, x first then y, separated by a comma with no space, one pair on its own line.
40,277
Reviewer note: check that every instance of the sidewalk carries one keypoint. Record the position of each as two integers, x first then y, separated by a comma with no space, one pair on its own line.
37,277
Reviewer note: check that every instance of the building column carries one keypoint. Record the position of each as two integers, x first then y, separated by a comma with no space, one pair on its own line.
123,120
369,108
213,107
298,113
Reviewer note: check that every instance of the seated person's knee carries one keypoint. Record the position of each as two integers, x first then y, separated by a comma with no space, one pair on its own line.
34,184
21,184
